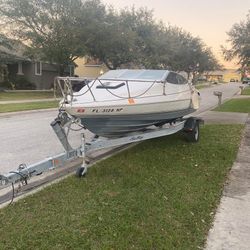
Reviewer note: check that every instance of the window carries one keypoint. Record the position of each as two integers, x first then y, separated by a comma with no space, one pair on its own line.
176,78
152,75
38,68
181,79
172,78
132,74
20,68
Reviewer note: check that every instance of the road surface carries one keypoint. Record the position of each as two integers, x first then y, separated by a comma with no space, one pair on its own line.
27,137
209,100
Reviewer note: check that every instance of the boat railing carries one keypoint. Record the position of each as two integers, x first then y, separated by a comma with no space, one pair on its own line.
68,88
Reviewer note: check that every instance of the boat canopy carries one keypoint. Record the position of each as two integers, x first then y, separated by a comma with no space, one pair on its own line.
134,74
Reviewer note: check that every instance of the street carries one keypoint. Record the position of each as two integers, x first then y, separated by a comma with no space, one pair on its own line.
209,100
27,137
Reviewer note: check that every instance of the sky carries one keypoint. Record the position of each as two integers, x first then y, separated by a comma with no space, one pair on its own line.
207,19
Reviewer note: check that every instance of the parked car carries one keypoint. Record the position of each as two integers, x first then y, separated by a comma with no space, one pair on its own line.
246,80
232,80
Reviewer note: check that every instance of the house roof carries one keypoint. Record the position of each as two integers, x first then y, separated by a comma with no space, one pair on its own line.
12,50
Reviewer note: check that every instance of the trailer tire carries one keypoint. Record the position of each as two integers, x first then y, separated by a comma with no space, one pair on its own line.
193,135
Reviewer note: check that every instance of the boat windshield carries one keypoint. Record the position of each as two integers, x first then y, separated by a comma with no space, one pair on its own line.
124,74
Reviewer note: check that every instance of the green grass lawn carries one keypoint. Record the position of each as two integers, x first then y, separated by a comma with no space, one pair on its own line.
201,86
160,194
235,105
27,106
14,96
246,91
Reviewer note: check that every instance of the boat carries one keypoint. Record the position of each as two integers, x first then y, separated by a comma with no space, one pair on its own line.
123,101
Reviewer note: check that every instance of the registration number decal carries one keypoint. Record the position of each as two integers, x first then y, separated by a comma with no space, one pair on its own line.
113,110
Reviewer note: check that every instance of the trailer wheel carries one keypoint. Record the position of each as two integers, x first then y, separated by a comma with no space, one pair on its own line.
81,172
192,130
193,134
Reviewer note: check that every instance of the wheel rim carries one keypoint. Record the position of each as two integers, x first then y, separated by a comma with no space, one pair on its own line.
196,134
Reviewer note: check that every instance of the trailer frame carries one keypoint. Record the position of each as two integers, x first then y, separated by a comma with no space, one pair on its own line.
61,126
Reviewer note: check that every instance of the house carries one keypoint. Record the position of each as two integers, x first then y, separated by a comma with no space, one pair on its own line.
7,56
40,74
89,67
223,75
15,67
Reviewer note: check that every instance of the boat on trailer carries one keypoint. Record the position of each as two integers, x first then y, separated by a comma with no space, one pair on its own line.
122,104
124,101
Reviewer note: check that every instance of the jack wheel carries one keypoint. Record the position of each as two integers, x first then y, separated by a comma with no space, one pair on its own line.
81,172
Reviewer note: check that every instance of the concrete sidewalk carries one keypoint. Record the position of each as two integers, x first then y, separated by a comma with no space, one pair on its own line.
241,97
231,228
214,117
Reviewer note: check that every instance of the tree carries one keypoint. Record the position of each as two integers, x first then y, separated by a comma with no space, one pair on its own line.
123,38
192,55
111,41
127,39
53,29
158,46
62,30
179,51
5,42
147,32
239,38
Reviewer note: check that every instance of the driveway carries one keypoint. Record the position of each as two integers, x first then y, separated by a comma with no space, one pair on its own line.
27,137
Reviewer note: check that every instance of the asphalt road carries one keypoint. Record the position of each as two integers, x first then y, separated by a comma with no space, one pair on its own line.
209,100
27,137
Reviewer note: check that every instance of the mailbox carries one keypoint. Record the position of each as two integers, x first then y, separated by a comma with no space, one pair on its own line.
219,94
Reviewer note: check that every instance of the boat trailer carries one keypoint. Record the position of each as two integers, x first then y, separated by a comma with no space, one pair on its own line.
62,125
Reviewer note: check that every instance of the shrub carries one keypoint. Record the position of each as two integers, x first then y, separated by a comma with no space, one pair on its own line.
6,85
20,82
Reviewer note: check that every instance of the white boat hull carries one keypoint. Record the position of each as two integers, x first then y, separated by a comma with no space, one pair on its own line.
117,120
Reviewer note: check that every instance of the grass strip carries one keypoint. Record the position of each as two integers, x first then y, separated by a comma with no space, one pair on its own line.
15,96
201,86
160,194
27,106
235,105
246,91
